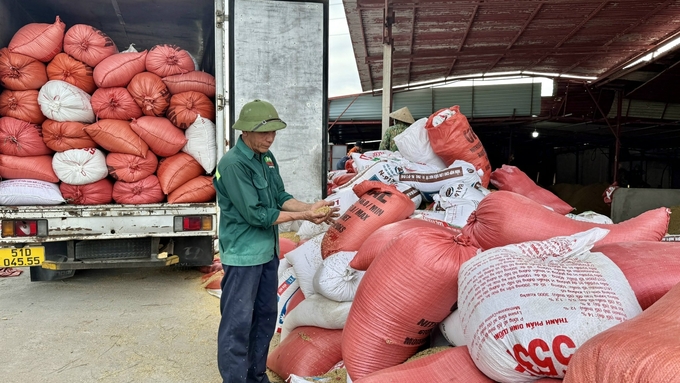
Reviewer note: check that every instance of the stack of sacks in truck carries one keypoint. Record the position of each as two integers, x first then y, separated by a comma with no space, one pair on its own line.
105,126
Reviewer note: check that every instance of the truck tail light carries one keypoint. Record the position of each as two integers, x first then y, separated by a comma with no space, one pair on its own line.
21,228
193,223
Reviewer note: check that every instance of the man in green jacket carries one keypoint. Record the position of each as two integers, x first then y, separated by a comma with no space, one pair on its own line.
252,202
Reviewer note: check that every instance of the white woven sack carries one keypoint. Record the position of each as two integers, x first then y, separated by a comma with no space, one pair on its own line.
431,182
590,216
80,166
526,308
130,49
414,145
456,210
385,171
29,192
335,279
436,217
342,199
288,285
61,101
464,191
317,311
306,260
365,160
283,266
452,329
201,143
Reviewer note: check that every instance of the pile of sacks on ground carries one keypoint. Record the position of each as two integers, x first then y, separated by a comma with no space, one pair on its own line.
83,123
517,289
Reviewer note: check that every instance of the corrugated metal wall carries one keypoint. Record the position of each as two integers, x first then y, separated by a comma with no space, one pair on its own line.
520,100
646,109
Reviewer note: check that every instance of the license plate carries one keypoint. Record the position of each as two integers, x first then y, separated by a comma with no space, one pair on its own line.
25,256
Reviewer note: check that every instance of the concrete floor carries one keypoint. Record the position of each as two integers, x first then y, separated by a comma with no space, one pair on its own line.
117,325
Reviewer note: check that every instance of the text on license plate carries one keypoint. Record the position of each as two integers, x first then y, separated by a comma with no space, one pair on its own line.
25,256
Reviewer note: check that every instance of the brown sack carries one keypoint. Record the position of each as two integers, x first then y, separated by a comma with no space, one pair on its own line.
21,104
197,81
88,44
163,138
20,72
177,170
150,94
38,40
65,68
119,69
146,190
186,106
35,168
21,138
115,103
117,136
96,193
199,189
62,136
131,168
167,60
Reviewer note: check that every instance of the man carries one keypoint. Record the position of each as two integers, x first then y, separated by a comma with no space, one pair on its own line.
252,202
403,119
355,149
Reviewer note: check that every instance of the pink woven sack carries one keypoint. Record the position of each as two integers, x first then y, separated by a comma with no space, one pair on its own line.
20,72
163,138
512,179
21,138
146,190
38,40
167,60
196,81
119,69
115,103
88,44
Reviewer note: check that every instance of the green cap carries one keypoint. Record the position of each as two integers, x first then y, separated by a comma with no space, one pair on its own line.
258,116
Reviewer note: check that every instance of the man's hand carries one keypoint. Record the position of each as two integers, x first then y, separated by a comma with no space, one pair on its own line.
323,211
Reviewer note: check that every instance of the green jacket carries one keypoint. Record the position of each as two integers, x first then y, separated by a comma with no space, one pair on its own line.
250,194
387,142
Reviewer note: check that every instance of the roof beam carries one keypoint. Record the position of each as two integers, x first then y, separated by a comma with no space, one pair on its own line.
517,36
446,4
462,40
363,39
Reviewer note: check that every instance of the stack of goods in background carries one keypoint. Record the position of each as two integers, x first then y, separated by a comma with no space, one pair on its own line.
428,275
85,124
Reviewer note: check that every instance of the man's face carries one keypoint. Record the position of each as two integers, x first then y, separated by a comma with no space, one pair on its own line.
259,142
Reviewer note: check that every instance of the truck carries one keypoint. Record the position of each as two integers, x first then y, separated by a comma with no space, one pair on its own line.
283,60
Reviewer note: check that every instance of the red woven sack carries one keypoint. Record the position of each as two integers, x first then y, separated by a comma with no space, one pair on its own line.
410,287
504,218
115,103
197,190
65,68
150,94
62,136
38,40
167,60
453,139
21,138
196,81
186,106
88,44
512,179
651,268
35,168
452,365
20,72
163,138
285,245
131,168
119,69
146,190
642,349
96,193
117,136
307,351
21,104
177,170
379,204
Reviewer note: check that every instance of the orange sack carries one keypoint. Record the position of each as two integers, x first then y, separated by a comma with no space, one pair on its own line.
131,168
504,218
96,193
88,44
35,168
167,60
115,103
307,351
199,189
146,190
643,349
512,179
20,72
38,40
21,138
196,81
452,365
117,136
65,68
410,287
163,138
175,171
379,204
150,94
452,138
62,136
186,106
119,69
652,268
21,104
